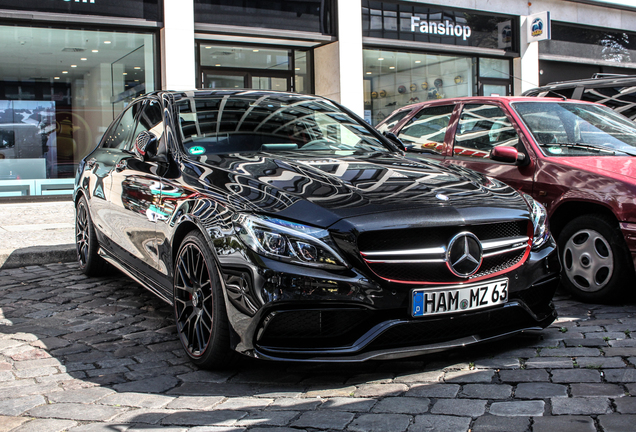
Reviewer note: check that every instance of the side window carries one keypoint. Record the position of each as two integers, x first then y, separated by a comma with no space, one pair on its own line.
427,128
482,127
150,119
392,121
120,136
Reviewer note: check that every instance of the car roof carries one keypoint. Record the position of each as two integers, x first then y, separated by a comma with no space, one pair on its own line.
232,92
595,81
483,99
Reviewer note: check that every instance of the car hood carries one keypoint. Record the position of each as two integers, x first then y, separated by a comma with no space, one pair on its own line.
324,188
619,167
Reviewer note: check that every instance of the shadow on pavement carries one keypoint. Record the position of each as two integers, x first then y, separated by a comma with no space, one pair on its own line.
104,353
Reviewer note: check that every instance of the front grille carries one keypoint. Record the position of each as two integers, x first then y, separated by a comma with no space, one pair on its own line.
497,263
435,236
390,254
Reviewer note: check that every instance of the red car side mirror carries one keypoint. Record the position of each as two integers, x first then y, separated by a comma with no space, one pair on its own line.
506,154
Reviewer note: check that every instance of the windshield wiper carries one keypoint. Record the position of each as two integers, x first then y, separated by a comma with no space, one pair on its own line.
598,147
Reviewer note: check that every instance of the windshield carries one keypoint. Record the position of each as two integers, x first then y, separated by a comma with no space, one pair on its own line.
257,122
576,129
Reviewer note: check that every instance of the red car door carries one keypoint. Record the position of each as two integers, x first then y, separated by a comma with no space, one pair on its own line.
481,127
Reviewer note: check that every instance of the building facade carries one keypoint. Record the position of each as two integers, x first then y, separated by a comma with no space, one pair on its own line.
69,66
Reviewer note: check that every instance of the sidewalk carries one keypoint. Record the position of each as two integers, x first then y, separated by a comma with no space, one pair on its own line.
36,233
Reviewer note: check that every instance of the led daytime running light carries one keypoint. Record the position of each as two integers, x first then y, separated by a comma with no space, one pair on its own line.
288,241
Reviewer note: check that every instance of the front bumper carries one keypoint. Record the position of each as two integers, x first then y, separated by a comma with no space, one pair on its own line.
283,312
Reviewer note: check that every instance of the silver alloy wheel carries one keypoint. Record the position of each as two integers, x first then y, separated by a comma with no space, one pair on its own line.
588,261
82,235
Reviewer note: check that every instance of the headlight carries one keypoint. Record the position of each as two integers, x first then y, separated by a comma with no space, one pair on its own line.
288,241
539,221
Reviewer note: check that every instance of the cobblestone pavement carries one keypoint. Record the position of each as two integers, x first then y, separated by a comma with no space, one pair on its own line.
87,354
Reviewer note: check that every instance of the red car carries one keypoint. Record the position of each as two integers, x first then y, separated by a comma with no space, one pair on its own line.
577,158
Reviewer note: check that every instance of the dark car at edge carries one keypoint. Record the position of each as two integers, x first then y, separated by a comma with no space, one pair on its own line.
281,226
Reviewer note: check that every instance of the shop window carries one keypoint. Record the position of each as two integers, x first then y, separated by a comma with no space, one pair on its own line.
482,127
255,67
59,91
396,79
494,68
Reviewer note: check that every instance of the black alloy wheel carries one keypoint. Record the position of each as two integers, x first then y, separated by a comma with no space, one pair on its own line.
86,245
199,308
596,263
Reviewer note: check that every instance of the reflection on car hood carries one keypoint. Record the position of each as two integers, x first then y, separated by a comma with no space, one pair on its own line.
328,188
614,166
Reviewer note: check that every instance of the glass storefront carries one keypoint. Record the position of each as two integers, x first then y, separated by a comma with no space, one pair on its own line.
393,79
254,67
59,90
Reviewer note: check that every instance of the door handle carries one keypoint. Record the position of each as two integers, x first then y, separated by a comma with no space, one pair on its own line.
121,165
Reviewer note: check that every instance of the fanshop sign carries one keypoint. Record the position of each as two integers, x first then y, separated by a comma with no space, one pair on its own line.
446,28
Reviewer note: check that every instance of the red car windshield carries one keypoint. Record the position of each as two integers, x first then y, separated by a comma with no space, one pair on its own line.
576,129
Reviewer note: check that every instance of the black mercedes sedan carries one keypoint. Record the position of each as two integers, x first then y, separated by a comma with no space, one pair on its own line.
283,227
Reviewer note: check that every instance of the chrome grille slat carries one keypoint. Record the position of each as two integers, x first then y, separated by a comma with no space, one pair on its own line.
505,245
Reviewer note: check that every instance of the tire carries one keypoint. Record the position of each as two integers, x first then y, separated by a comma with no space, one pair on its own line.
596,263
86,243
199,306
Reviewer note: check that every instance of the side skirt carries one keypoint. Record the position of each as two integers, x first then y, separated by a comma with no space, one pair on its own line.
143,281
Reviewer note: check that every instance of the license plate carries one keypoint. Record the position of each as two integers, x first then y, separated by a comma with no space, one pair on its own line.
459,298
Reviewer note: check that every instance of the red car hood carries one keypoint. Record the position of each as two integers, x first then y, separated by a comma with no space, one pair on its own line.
618,167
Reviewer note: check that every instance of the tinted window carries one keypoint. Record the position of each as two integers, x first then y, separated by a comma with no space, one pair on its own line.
621,99
426,130
150,119
393,120
482,127
120,136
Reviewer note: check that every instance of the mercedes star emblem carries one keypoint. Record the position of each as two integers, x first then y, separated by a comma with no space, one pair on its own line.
464,254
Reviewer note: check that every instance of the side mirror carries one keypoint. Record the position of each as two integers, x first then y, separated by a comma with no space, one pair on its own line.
145,146
506,154
391,136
